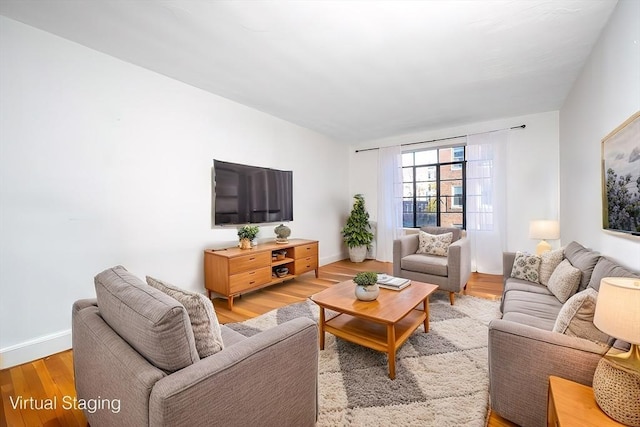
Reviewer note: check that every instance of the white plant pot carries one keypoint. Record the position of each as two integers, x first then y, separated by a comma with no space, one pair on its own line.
367,293
358,253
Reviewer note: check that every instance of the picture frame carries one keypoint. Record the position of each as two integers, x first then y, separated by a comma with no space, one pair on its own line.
621,178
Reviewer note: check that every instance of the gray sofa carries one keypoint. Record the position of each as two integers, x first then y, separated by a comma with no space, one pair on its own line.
157,378
450,273
523,349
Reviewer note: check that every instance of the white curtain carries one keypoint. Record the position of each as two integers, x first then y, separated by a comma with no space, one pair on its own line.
486,200
389,226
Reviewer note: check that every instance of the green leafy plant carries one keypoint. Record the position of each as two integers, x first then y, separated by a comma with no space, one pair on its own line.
356,231
248,232
366,278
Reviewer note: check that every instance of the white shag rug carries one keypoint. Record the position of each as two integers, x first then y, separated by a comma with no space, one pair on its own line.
441,376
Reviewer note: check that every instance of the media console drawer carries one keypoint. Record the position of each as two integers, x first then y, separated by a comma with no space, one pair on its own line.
249,279
233,271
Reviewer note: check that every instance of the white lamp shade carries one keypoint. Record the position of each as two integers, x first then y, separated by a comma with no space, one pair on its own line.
544,230
618,308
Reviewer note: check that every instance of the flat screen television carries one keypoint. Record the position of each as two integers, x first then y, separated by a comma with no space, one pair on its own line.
244,194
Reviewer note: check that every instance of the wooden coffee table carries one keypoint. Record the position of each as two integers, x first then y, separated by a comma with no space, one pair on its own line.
382,325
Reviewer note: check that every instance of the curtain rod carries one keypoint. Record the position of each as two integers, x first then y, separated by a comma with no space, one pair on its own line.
444,139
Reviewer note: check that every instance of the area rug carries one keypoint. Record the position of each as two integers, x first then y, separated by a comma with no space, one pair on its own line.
441,376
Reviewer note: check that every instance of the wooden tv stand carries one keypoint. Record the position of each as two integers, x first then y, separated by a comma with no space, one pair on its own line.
233,271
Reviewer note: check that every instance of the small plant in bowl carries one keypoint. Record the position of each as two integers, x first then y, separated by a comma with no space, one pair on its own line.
246,234
366,278
367,288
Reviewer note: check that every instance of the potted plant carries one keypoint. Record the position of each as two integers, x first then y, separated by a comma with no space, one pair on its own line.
367,288
356,232
246,234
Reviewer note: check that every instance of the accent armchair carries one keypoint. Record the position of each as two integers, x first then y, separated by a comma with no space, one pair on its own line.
450,272
134,345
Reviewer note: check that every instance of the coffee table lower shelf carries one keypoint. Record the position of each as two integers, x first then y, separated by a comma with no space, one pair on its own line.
384,337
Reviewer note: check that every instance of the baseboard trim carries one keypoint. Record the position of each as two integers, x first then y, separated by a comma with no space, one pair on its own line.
35,349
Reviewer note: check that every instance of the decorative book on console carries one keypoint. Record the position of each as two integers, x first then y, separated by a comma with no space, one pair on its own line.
391,282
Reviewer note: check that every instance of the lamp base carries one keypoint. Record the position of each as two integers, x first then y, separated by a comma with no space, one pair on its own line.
616,389
542,247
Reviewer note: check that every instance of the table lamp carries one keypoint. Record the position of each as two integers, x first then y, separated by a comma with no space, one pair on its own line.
616,381
544,230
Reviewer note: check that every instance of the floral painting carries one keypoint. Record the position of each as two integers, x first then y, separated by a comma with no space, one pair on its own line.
621,177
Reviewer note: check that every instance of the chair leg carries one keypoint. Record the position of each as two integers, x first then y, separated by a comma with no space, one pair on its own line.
452,296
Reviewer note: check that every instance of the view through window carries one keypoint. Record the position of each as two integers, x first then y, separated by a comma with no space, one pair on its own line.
434,188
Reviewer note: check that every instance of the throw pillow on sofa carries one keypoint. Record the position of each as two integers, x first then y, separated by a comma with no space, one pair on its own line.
548,263
434,244
564,281
204,322
576,318
526,267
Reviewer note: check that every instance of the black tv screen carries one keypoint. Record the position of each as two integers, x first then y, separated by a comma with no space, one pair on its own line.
244,194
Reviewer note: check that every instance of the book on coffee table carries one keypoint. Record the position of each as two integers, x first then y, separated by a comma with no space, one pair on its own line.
391,282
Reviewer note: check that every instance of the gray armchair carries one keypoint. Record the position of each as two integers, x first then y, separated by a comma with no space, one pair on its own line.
450,273
154,376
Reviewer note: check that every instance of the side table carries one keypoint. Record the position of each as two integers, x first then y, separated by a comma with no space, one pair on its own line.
573,404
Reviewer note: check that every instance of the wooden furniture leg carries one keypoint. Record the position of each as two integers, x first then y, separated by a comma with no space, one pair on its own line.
321,322
230,302
425,304
452,296
391,350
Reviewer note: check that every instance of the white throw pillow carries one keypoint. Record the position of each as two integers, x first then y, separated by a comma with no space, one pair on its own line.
548,263
576,318
434,244
204,322
564,281
526,267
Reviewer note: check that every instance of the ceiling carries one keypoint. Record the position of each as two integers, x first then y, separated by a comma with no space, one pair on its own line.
352,70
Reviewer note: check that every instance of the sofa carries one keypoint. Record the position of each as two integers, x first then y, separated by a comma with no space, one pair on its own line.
541,334
136,363
450,272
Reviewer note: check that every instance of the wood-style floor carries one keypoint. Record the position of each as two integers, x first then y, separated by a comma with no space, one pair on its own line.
53,376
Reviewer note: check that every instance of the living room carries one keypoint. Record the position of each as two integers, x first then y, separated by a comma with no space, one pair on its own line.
105,162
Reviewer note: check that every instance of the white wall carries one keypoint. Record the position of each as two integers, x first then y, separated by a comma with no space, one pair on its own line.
532,170
104,163
606,93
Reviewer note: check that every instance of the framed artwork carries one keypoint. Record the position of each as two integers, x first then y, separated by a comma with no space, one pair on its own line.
621,177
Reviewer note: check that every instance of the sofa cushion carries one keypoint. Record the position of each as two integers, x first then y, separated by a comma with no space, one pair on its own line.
583,259
607,268
204,322
428,264
536,305
564,281
576,318
434,244
526,267
529,320
154,324
513,284
548,263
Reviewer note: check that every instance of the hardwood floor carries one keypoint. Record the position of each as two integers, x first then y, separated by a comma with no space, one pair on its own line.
53,376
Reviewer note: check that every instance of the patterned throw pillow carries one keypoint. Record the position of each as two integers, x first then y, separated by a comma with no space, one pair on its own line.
526,267
204,322
548,263
434,244
576,318
564,281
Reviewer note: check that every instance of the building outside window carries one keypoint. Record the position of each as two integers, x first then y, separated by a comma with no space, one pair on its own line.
434,187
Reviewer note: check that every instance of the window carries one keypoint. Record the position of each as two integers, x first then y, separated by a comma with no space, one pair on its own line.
434,187
457,155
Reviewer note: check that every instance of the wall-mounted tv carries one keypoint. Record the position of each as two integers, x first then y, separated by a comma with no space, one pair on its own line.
244,194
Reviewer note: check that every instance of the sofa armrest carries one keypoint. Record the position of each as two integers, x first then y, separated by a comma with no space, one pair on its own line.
507,265
267,379
402,247
521,359
459,263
